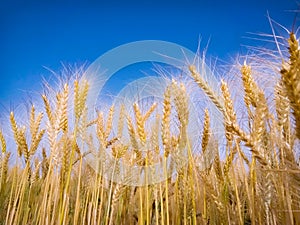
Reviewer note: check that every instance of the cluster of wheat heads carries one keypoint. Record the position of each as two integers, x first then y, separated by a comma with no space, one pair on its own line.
49,180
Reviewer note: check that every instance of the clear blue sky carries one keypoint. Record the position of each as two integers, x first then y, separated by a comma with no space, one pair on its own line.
38,34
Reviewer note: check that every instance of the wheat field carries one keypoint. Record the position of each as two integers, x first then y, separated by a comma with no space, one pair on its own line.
248,174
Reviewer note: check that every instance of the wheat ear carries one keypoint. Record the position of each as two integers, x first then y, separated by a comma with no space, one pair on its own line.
48,109
139,123
4,168
207,89
80,96
165,125
3,142
206,131
230,117
250,87
134,142
109,122
121,121
291,79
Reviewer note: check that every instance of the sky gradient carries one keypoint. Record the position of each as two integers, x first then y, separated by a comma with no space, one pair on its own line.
35,36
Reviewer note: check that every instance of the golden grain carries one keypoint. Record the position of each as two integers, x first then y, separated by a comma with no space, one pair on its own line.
291,80
165,126
206,131
3,142
207,89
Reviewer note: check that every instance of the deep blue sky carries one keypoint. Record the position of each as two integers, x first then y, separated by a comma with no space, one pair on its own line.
38,34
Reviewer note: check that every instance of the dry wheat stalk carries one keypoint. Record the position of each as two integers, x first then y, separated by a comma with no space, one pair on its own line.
230,117
22,143
154,139
15,130
45,164
181,103
207,89
218,168
139,123
32,124
228,161
261,115
48,109
52,135
35,142
121,121
118,192
241,153
65,145
119,150
109,121
206,131
133,140
4,168
149,112
283,110
58,120
250,87
77,104
165,125
182,108
3,142
62,108
291,79
80,96
36,173
100,129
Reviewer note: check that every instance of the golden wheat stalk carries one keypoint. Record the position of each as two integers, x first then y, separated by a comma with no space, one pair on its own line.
260,118
181,103
109,122
230,117
165,125
62,108
133,140
80,96
282,109
149,112
100,129
228,161
250,87
15,130
48,109
206,131
4,169
291,79
218,168
182,108
36,173
139,123
3,142
35,142
207,89
121,120
45,164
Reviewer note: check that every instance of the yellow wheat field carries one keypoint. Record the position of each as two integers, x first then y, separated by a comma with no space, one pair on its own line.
256,180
